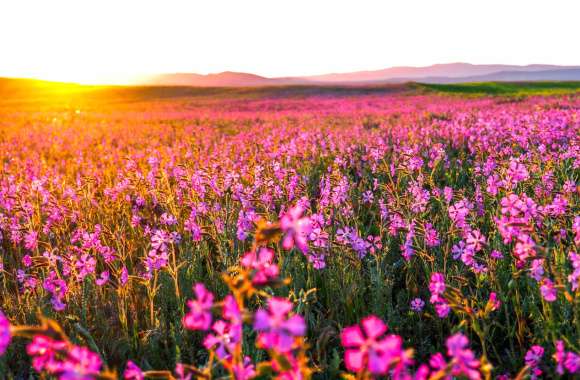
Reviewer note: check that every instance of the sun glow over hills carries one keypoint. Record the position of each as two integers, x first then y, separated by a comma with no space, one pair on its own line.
112,42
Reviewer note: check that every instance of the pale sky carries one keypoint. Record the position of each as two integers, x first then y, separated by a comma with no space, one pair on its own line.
115,41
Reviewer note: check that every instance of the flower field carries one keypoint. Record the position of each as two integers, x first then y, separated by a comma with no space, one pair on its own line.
404,236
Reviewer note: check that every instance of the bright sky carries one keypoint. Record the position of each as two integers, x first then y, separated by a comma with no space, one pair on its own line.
116,41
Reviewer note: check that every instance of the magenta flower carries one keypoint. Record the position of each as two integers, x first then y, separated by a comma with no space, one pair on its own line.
560,357
537,269
548,290
31,240
566,360
296,229
80,364
103,278
199,315
533,358
43,351
133,372
437,361
228,334
493,302
245,370
182,372
437,286
261,262
442,309
517,172
366,349
5,335
463,359
277,328
431,237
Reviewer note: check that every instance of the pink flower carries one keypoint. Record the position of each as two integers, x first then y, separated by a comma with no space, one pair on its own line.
103,278
366,349
43,351
182,372
517,172
463,359
261,262
227,336
442,309
277,328
296,229
5,335
199,315
437,288
524,248
511,205
31,240
437,284
475,240
431,237
133,372
537,269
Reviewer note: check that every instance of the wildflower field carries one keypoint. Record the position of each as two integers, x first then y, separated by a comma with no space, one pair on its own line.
262,234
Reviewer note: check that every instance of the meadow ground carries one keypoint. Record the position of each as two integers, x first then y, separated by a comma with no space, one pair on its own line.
313,217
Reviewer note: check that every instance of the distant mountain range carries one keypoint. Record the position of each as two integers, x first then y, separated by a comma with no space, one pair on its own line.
440,73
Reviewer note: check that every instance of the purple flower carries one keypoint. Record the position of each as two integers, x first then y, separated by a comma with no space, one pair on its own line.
277,327
417,305
199,315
